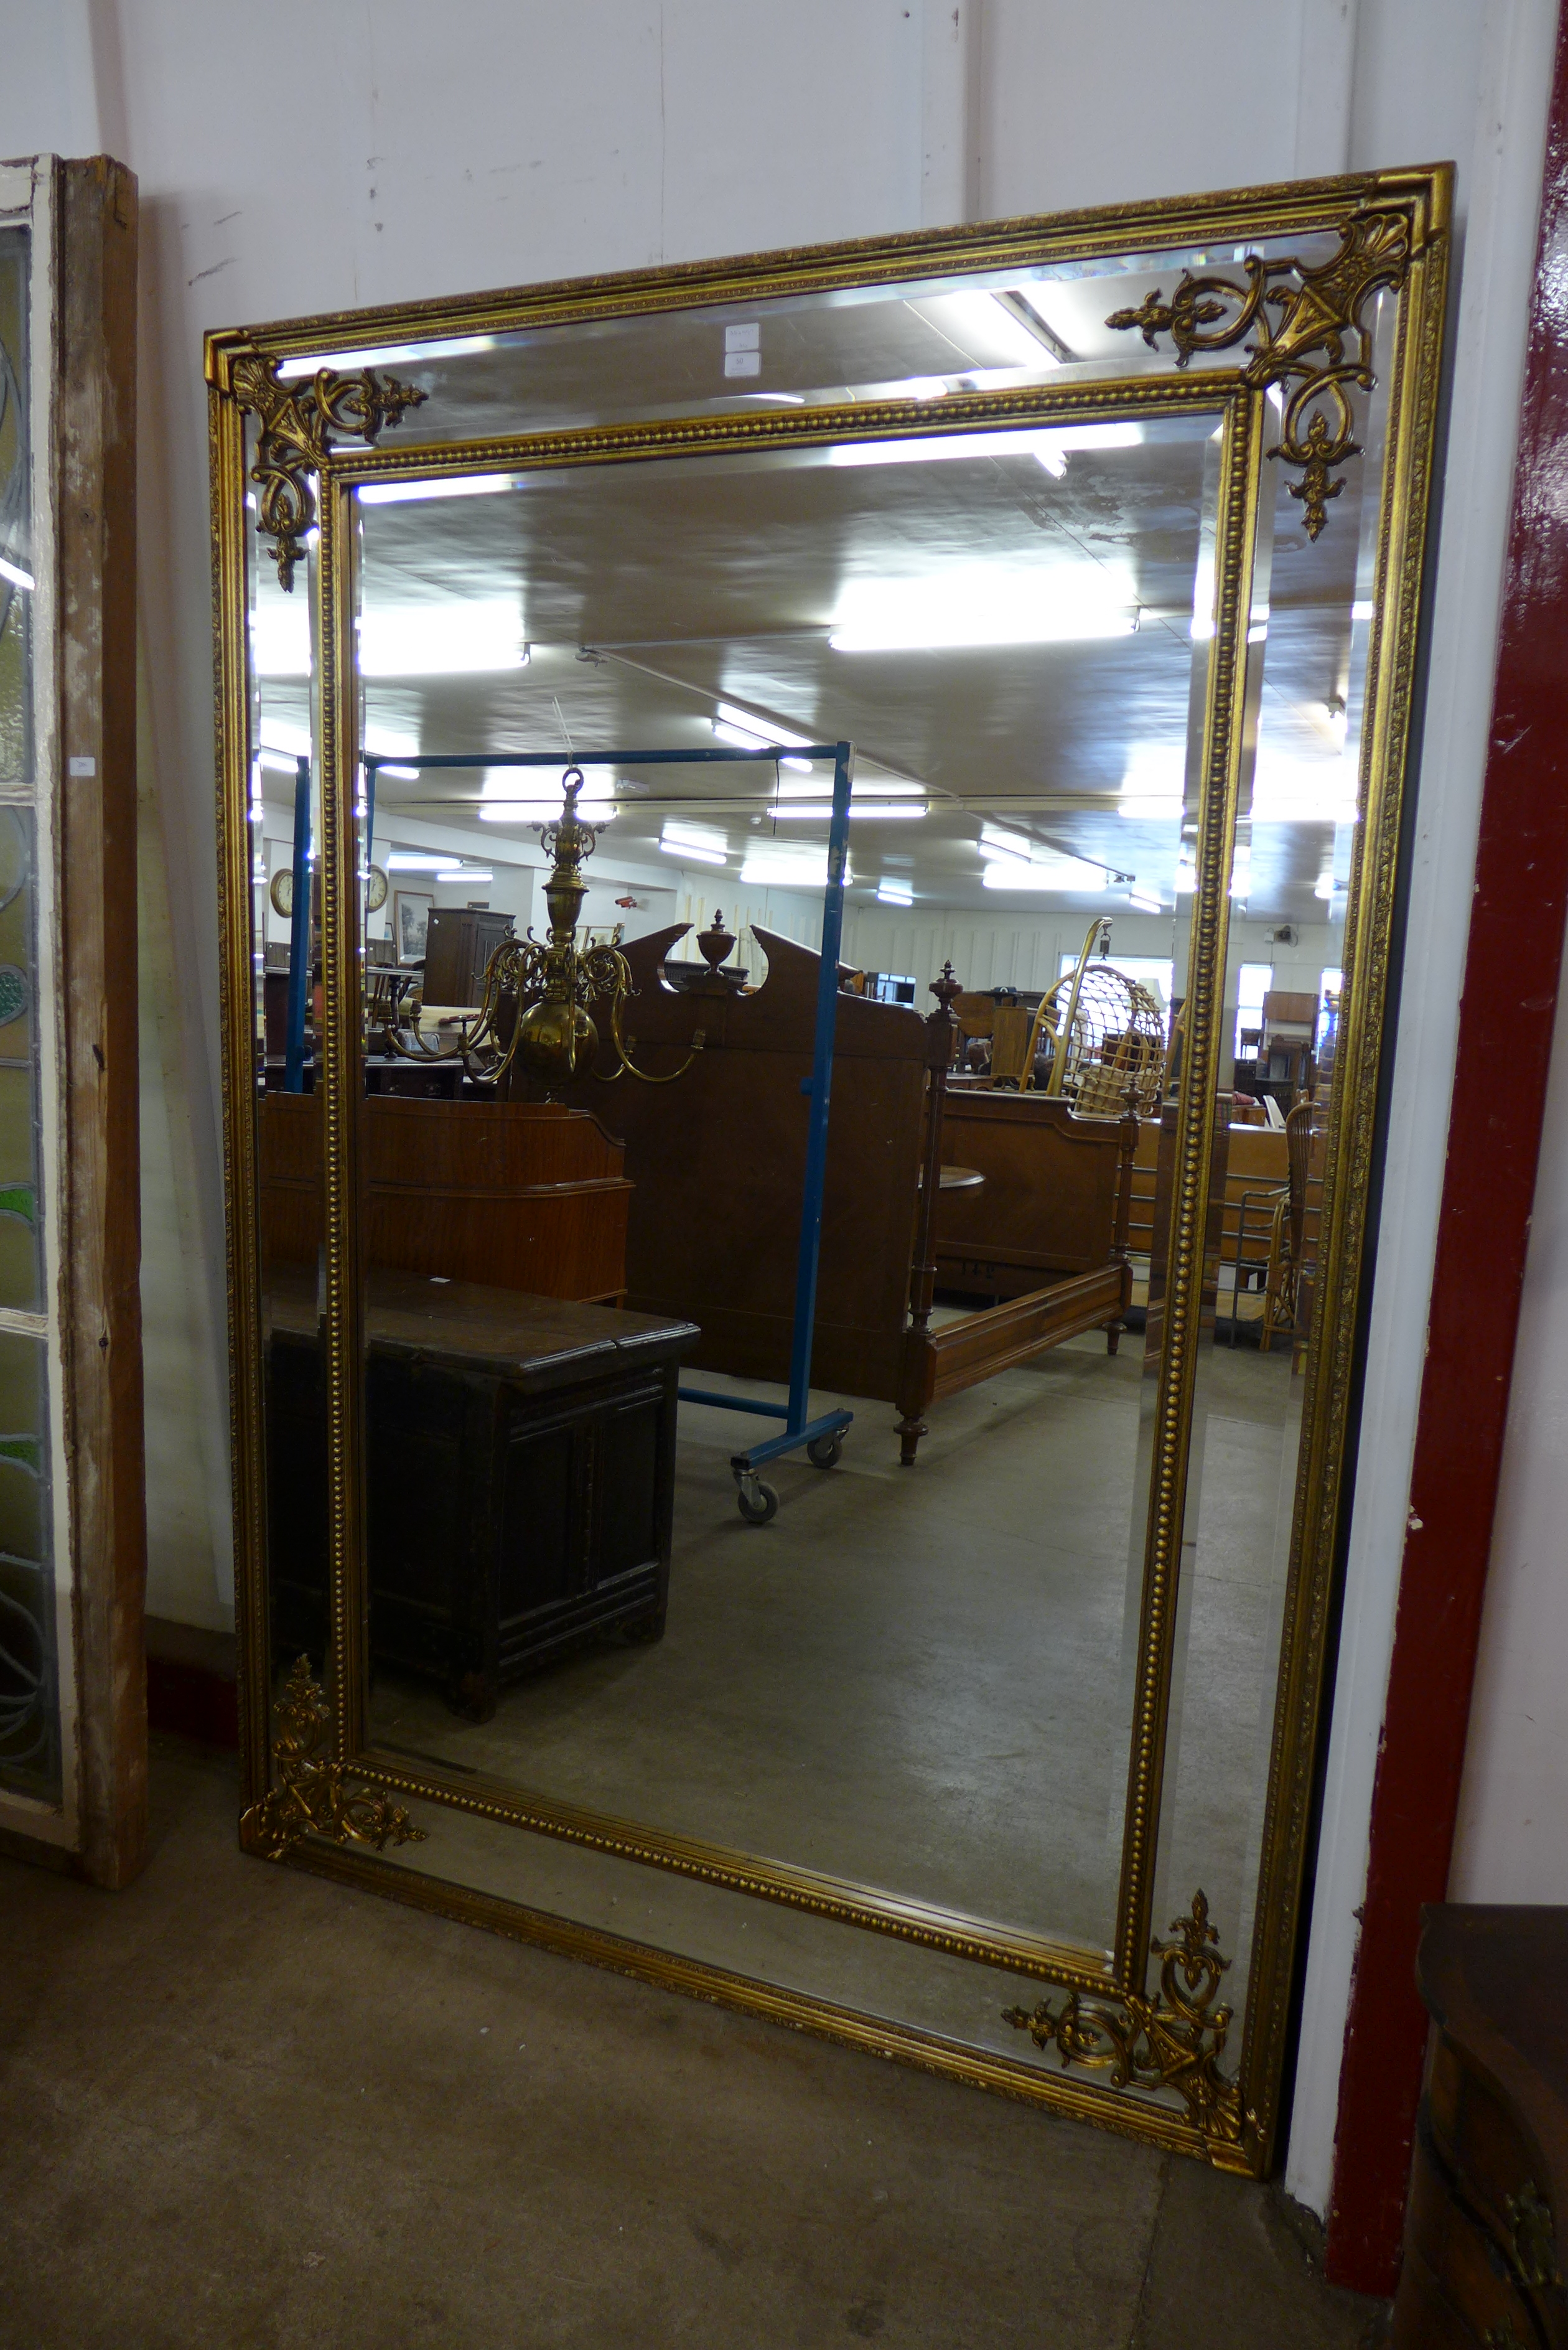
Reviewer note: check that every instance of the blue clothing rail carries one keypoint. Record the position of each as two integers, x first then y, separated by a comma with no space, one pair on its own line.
822,1438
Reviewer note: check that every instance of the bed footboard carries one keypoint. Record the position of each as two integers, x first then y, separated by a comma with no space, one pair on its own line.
943,1361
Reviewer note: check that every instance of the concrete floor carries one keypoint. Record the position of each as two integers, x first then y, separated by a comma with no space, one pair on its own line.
921,1680
243,2110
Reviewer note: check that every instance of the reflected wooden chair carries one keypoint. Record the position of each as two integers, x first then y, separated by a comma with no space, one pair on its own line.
1010,1040
1285,1205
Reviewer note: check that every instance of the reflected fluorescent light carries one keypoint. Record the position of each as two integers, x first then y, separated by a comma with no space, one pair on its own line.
1050,445
406,860
1068,876
459,347
1361,612
1154,778
748,733
1013,862
1145,901
893,893
544,811
820,811
976,605
701,841
788,869
447,640
983,319
876,788
398,774
1323,885
1186,879
14,573
280,640
456,485
282,763
1305,791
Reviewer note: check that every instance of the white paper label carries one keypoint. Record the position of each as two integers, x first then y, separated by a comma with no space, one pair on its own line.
83,766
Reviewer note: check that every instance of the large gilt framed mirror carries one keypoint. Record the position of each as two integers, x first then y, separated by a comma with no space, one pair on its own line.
810,849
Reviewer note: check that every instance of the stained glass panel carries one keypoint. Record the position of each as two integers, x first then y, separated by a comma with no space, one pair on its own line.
29,1759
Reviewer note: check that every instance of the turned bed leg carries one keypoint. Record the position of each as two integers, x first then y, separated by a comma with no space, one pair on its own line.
941,1038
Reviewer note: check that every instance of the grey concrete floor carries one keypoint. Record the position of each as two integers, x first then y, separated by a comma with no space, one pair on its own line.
242,2107
921,1680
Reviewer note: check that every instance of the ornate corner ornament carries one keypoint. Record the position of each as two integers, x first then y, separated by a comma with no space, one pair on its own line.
297,426
313,1794
1320,316
1173,2040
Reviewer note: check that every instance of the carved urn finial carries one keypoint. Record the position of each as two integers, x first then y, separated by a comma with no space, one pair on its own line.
946,988
714,945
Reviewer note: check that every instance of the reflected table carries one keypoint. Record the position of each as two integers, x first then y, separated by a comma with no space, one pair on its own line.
520,1472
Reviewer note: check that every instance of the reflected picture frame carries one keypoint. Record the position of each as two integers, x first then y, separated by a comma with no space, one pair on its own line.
411,911
1135,2038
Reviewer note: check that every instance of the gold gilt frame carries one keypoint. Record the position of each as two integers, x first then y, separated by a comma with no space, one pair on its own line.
314,1795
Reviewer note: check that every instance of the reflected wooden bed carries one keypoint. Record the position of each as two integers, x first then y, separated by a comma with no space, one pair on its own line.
718,1164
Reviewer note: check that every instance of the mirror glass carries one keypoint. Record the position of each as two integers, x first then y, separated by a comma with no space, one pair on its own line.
286,838
907,1662
1013,326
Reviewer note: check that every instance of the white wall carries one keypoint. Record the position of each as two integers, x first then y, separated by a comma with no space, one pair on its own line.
403,152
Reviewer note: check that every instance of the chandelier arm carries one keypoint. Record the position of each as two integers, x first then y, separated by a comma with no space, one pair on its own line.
624,1051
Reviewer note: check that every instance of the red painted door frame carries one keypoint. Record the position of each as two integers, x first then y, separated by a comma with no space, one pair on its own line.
1507,1015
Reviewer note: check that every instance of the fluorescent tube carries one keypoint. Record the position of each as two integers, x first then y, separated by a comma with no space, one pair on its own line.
975,605
14,573
459,347
820,811
448,640
1072,876
1051,445
544,811
701,841
456,485
783,868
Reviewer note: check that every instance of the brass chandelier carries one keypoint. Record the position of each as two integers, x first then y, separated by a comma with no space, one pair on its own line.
535,1010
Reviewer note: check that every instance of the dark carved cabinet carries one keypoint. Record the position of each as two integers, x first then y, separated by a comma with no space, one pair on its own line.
459,943
520,1466
1482,2262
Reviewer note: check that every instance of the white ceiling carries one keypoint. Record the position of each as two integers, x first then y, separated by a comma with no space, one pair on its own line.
648,592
